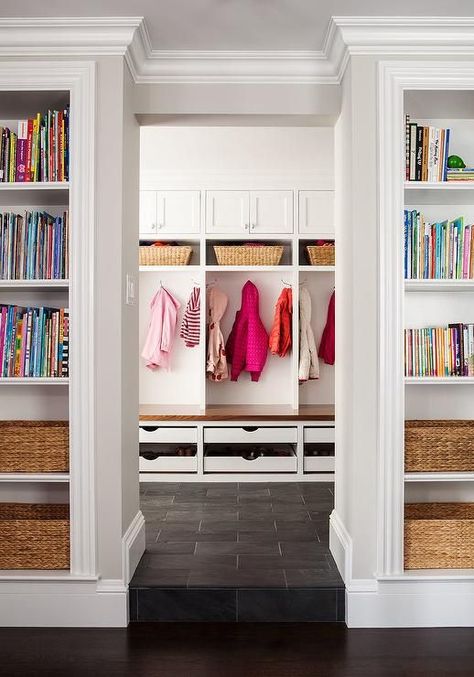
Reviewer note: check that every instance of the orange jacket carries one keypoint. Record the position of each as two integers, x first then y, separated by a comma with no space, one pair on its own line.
280,334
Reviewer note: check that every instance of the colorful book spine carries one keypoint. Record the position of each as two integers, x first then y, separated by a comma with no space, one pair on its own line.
426,152
440,351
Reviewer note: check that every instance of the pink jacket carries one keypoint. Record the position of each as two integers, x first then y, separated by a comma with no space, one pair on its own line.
247,345
161,329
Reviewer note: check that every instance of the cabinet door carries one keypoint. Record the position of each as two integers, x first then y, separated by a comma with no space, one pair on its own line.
271,211
148,214
179,211
316,212
227,211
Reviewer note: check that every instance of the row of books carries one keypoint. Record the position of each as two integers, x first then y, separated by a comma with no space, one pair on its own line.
440,351
426,152
465,174
34,246
34,342
437,251
38,150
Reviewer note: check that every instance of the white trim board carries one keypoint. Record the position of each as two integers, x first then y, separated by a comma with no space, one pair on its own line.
133,547
129,37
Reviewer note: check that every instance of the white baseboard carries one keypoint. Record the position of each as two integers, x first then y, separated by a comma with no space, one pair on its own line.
399,602
133,546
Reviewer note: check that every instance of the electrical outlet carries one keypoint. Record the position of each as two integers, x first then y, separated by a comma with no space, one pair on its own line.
130,290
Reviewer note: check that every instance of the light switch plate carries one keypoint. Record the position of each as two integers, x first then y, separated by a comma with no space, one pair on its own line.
130,290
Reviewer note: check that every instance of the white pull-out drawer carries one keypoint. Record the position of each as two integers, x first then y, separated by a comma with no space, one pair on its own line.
181,435
233,464
167,463
321,434
318,464
251,434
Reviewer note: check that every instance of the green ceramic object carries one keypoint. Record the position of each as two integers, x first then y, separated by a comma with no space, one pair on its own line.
456,162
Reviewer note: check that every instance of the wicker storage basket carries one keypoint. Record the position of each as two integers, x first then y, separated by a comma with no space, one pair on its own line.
34,536
34,446
324,255
439,535
439,446
241,255
172,255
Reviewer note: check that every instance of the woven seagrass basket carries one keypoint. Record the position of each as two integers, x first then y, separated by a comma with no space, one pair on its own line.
172,255
439,446
34,536
241,255
324,255
34,446
439,536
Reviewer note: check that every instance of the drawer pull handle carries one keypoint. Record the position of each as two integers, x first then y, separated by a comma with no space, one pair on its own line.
250,429
150,455
150,428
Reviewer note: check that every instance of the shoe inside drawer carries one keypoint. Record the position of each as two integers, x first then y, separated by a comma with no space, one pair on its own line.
249,458
178,434
251,434
319,434
319,457
167,457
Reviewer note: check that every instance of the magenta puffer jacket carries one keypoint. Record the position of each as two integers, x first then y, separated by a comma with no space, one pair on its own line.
247,345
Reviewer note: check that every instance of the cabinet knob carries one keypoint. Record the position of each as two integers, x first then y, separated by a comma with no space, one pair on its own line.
160,225
246,226
253,226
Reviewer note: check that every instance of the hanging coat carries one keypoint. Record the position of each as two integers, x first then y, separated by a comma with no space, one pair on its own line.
308,365
191,324
216,366
280,334
161,329
327,347
247,345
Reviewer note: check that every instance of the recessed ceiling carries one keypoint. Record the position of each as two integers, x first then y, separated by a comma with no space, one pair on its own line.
236,24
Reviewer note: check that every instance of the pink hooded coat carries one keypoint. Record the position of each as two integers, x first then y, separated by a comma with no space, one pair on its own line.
161,329
247,345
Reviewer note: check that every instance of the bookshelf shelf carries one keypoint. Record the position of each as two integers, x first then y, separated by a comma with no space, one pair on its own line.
31,381
35,185
34,477
439,185
34,284
439,477
439,380
439,285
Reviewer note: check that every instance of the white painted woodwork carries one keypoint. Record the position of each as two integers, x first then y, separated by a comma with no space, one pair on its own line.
168,464
271,211
148,216
228,212
237,464
319,464
316,212
160,434
178,211
250,434
319,434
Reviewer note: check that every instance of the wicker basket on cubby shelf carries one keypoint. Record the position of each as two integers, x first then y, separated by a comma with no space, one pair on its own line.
321,255
34,446
34,536
243,255
439,536
439,446
172,255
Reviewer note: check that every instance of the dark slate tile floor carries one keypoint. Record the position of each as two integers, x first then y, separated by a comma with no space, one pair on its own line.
243,551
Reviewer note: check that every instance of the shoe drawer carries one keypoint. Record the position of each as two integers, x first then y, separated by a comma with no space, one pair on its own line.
251,435
181,435
319,464
168,464
249,458
319,434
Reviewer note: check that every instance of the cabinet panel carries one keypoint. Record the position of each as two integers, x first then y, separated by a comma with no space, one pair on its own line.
271,211
316,212
178,211
250,434
148,212
227,211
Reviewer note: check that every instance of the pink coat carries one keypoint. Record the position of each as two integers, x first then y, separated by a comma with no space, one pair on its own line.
247,345
161,329
327,347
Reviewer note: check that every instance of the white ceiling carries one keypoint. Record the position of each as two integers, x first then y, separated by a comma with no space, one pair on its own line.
236,24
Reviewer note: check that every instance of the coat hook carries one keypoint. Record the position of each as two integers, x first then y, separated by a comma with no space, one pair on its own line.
288,284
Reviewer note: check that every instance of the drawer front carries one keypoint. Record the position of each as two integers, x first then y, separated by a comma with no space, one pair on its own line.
319,434
250,434
319,464
181,435
167,463
230,464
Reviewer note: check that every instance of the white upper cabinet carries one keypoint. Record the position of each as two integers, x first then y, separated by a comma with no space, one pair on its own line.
148,213
316,212
170,211
271,211
227,211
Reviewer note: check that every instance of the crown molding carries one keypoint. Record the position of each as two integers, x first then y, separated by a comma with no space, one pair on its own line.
67,36
345,36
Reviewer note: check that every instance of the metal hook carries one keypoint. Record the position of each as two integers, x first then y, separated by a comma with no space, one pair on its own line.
287,284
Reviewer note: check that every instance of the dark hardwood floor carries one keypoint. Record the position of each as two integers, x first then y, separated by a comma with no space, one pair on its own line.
236,650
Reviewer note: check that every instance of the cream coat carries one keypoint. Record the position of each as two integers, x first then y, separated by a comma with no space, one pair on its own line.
309,363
